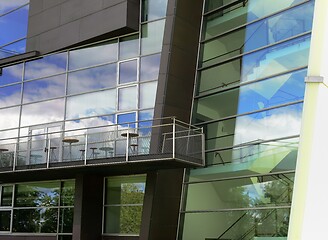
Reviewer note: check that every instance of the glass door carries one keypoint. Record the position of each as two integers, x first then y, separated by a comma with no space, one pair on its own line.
44,143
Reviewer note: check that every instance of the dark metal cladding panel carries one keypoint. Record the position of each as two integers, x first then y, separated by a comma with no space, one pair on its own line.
59,24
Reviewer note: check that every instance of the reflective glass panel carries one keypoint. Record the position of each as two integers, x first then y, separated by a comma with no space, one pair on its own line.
38,220
38,90
147,95
11,74
46,66
92,79
6,195
10,95
149,67
251,224
152,37
153,9
91,104
38,194
213,4
13,48
67,193
128,71
252,97
34,113
129,47
125,190
276,59
123,219
90,56
66,220
90,122
13,25
265,157
125,118
6,6
264,191
5,217
265,32
12,117
127,98
241,13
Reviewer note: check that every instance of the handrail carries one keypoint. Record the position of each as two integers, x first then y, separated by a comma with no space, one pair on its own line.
231,226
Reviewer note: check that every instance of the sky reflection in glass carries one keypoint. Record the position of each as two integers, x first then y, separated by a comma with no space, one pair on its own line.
128,71
149,67
46,66
92,79
94,55
10,95
11,74
44,89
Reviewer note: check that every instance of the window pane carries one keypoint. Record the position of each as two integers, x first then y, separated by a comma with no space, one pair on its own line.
13,26
46,66
92,79
5,217
276,59
66,220
213,4
125,118
149,67
265,32
67,193
127,98
6,196
153,9
125,190
11,5
240,13
34,113
10,95
11,74
265,157
253,224
152,37
44,89
90,56
128,71
123,219
148,94
256,96
277,190
12,117
39,194
129,47
39,220
90,122
91,104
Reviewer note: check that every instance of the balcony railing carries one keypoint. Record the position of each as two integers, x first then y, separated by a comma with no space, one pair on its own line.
151,141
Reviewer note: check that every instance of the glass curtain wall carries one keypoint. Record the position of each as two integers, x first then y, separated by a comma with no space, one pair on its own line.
13,27
250,87
111,82
38,208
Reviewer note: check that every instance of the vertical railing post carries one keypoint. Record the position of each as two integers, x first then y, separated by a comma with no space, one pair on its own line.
127,144
15,156
48,153
85,148
173,137
203,146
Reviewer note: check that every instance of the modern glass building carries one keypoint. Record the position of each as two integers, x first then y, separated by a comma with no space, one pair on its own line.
163,119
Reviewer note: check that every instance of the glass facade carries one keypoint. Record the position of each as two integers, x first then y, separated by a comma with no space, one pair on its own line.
253,55
38,207
13,27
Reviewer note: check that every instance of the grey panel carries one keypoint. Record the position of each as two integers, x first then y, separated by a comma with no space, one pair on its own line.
69,23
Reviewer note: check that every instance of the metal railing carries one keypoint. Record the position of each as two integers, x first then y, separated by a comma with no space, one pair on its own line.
107,144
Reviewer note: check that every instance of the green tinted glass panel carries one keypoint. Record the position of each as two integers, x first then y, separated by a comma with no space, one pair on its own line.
67,193
252,224
6,196
264,191
123,219
66,220
5,217
37,194
234,15
39,220
152,37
